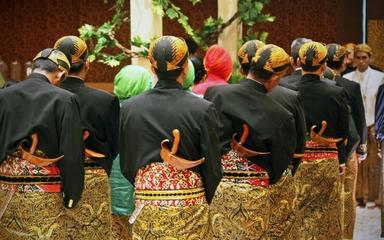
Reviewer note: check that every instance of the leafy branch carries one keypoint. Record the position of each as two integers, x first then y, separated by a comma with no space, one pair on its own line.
103,37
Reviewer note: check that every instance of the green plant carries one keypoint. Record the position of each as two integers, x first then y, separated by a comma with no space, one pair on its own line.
103,37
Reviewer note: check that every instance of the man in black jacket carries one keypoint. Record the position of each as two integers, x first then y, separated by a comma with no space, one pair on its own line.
100,122
174,183
327,118
41,151
284,190
290,81
336,62
264,151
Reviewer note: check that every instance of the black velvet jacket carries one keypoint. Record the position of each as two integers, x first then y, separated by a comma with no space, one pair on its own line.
35,105
149,118
272,128
100,116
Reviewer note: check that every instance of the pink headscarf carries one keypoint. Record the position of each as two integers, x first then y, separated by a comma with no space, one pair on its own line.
218,65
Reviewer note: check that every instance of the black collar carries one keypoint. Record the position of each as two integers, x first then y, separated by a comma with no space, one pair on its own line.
310,78
72,82
39,76
168,84
254,85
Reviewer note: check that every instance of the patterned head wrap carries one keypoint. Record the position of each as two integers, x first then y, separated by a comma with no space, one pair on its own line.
349,46
248,50
168,53
335,52
313,54
218,61
73,47
363,48
271,58
190,78
56,57
130,81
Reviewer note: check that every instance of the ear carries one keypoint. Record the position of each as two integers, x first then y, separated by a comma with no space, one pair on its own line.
153,70
87,65
272,82
59,76
298,63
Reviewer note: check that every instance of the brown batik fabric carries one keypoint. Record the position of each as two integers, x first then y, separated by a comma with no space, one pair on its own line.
319,186
33,215
121,228
240,208
91,219
350,197
284,217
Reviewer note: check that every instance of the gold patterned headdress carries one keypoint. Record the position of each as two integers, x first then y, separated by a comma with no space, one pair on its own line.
271,58
168,53
335,52
57,57
313,54
349,47
363,48
73,47
248,50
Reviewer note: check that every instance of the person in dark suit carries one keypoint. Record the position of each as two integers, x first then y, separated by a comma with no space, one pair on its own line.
336,62
171,182
264,151
100,121
327,118
290,81
284,190
41,151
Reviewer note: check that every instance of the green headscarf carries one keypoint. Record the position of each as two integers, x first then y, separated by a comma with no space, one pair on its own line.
130,81
190,78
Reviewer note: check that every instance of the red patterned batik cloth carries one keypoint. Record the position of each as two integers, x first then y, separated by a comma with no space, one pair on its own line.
315,151
20,175
240,170
161,184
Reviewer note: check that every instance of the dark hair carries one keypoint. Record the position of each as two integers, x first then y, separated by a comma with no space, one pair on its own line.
245,67
169,75
76,67
295,47
44,64
259,72
335,64
199,68
310,68
192,45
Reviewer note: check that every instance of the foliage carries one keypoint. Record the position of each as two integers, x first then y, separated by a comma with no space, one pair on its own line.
103,37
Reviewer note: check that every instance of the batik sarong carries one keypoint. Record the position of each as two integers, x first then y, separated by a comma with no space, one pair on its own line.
170,204
240,208
319,193
284,218
31,203
91,218
350,197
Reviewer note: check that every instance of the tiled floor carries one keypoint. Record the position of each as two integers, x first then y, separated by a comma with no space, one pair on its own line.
368,225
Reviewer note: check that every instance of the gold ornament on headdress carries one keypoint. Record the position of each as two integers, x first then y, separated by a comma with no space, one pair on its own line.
271,57
312,53
77,47
245,54
176,46
363,48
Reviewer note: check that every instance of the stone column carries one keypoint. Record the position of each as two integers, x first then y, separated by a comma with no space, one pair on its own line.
230,36
144,23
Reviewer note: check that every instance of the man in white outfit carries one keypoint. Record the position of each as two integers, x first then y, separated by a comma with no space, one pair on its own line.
368,179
